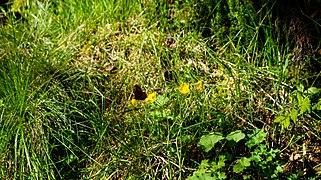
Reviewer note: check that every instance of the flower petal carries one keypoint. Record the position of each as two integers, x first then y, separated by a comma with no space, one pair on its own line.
151,98
184,88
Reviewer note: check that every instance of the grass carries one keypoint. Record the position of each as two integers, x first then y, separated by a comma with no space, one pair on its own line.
68,69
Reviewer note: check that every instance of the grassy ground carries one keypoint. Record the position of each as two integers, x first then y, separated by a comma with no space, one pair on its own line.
68,70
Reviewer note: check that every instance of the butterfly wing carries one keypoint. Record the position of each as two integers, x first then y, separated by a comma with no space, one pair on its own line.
139,94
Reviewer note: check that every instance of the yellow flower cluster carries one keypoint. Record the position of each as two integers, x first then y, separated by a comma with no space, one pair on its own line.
184,88
151,98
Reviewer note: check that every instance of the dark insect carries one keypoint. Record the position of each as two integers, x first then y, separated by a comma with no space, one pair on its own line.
139,94
170,76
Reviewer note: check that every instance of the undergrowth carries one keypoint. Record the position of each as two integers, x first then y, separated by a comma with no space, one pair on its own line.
158,90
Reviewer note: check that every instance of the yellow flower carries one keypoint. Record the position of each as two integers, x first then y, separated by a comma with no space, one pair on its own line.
199,85
184,88
151,98
134,102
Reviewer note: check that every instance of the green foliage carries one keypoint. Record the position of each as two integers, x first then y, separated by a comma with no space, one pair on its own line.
235,136
211,170
241,165
208,141
261,160
257,137
301,105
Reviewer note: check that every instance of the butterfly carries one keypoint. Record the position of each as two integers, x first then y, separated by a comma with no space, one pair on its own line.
139,94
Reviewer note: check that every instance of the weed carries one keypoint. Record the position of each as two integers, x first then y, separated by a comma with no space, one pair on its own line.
260,162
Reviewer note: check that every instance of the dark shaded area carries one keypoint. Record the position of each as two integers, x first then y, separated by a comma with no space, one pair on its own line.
294,25
210,14
5,5
303,22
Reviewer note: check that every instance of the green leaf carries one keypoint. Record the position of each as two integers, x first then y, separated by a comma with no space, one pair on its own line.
238,168
220,164
299,98
313,90
286,123
256,138
246,162
201,176
256,157
162,100
300,88
208,141
204,164
242,164
286,64
294,115
284,120
235,136
317,106
305,105
279,119
221,175
278,169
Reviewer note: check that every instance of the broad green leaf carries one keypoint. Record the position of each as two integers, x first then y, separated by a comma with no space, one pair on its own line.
246,162
208,141
305,105
235,136
313,90
256,138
